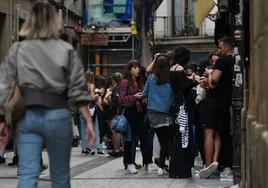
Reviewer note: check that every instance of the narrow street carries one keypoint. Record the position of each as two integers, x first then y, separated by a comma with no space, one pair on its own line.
102,172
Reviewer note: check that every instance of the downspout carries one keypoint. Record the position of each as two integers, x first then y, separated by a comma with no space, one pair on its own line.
173,18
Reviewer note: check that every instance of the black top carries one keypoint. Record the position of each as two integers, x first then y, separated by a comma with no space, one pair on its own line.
223,90
182,90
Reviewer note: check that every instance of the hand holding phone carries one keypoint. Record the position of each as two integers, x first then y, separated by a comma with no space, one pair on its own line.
203,82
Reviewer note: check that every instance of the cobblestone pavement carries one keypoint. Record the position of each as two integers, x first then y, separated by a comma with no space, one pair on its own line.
102,172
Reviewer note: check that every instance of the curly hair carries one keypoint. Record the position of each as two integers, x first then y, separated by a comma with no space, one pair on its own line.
182,55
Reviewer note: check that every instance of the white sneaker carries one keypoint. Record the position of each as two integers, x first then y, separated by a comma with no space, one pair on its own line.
161,172
194,172
206,172
227,173
103,145
132,169
152,168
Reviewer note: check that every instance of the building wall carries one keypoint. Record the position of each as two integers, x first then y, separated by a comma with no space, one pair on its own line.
4,27
254,115
14,12
163,22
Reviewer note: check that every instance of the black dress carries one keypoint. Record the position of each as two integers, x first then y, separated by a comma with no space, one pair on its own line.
181,159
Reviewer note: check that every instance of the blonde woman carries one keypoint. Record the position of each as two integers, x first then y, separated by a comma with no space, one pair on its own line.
50,76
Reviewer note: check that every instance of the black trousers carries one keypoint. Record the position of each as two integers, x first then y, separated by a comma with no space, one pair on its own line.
226,152
138,128
163,137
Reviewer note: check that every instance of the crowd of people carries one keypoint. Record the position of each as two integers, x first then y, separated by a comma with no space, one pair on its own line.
173,105
174,110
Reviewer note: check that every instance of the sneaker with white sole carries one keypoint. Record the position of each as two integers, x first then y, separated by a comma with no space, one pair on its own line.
161,172
226,174
206,172
194,172
152,168
102,153
132,169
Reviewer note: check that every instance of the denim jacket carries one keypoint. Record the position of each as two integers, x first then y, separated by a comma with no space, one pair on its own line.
159,96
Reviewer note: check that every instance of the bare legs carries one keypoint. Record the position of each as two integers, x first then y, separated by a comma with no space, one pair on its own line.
212,145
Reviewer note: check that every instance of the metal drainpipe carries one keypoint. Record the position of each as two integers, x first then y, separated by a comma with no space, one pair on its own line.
153,33
172,18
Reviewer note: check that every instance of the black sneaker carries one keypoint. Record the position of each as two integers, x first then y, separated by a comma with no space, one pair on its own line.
157,161
14,161
138,166
116,153
2,160
75,142
85,151
43,167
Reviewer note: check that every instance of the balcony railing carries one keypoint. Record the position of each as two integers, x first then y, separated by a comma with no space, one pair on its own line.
183,27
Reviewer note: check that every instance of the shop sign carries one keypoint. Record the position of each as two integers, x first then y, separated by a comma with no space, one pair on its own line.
94,39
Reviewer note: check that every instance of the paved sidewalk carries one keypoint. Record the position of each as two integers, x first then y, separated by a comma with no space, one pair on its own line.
102,172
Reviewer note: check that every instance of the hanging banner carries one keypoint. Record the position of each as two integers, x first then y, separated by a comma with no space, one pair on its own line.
201,9
94,39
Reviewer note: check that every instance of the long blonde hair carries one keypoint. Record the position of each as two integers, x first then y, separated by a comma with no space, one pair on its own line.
42,23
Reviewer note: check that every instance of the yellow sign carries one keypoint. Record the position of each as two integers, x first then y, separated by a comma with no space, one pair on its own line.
134,30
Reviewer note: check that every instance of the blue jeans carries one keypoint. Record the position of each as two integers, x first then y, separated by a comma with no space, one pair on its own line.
84,142
52,126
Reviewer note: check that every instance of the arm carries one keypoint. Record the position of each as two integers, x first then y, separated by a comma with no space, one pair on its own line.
179,81
99,104
125,99
107,97
146,87
94,97
215,74
149,69
78,92
89,123
91,91
76,83
8,73
214,78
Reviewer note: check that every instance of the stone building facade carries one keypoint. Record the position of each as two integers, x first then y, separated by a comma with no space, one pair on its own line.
254,114
14,12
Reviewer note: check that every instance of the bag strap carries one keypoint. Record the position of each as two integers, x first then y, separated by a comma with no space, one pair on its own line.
17,54
67,73
117,113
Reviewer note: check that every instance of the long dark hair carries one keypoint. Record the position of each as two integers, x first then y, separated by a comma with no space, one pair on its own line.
161,70
127,75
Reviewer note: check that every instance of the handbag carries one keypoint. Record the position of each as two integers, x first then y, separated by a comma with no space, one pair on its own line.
14,107
120,123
